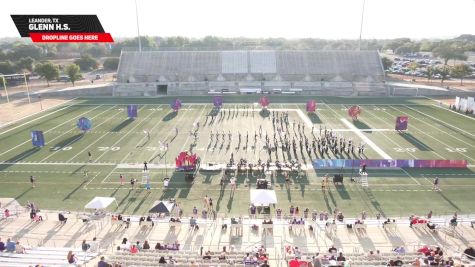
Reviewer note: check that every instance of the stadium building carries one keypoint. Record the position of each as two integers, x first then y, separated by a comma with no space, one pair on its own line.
338,73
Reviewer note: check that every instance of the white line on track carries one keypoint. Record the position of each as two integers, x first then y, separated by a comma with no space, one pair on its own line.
12,122
57,163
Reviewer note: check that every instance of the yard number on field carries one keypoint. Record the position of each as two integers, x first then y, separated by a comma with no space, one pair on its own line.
405,149
64,148
456,149
106,148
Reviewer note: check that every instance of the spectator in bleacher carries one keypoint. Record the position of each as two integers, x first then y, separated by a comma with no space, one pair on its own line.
222,256
2,246
192,222
71,257
102,263
340,216
93,245
134,249
207,255
158,246
85,246
20,249
62,219
125,245
341,258
264,264
6,213
171,260
453,221
294,263
398,262
195,211
137,244
317,260
297,252
449,262
10,246
146,245
470,253
162,260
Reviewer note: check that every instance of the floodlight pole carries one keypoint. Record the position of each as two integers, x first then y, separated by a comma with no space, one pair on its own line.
138,28
27,88
5,87
361,26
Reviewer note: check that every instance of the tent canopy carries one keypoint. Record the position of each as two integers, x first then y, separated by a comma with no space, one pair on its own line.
162,207
99,203
263,197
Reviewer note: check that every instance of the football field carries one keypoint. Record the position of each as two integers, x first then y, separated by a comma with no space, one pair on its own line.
67,178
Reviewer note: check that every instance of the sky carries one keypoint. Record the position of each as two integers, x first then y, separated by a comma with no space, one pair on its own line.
326,19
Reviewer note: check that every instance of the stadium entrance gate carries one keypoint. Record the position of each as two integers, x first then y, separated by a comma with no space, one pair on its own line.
162,89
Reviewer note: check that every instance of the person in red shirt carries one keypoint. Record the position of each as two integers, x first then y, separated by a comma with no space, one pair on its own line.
294,263
134,249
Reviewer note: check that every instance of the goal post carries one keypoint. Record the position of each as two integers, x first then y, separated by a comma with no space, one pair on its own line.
15,80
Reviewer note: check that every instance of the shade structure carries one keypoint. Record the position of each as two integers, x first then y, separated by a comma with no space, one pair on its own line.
162,207
99,203
263,197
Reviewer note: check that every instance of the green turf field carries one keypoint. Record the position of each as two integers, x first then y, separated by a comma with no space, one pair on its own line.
434,133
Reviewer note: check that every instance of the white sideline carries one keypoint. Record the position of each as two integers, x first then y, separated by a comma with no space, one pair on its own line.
12,122
468,117
440,120
366,139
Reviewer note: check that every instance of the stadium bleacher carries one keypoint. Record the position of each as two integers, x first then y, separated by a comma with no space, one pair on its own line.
197,72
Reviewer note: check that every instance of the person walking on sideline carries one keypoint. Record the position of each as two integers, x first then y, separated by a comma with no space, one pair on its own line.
436,184
89,155
121,178
33,181
145,168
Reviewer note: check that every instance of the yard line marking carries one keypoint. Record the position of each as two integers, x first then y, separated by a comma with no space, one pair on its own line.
144,120
415,139
76,138
52,130
304,118
77,154
440,121
169,132
197,119
85,186
417,182
151,130
468,117
12,122
440,130
366,139
438,140
387,137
